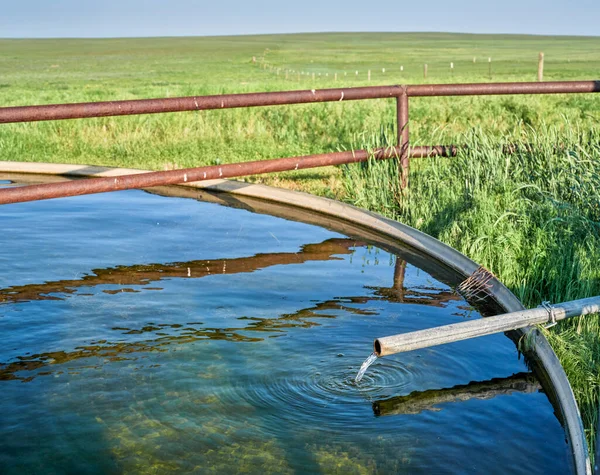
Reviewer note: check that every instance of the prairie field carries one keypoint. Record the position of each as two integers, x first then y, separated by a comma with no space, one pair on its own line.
55,71
532,216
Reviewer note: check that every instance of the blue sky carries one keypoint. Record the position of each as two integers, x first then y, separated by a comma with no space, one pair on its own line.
110,18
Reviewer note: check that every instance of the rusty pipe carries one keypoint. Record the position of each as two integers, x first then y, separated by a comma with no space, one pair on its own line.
145,180
485,89
193,103
186,175
229,101
403,135
233,170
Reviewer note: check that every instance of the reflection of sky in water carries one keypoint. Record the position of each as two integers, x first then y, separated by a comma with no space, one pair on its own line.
171,335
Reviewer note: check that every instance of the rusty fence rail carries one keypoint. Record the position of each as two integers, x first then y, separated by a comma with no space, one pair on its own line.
401,93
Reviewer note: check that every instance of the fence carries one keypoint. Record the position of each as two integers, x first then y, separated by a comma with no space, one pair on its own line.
402,150
297,74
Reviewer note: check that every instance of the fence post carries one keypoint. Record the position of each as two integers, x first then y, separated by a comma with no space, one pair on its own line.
403,139
425,71
541,67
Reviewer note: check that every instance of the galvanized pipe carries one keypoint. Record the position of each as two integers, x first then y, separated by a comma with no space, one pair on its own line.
390,345
229,101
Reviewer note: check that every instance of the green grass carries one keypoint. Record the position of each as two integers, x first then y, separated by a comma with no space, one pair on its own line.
52,71
531,217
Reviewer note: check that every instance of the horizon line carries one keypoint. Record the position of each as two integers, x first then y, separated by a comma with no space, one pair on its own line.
332,32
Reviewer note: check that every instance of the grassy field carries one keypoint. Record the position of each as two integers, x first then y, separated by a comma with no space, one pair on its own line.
51,71
532,217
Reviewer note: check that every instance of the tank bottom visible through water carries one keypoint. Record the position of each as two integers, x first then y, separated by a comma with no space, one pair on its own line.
144,333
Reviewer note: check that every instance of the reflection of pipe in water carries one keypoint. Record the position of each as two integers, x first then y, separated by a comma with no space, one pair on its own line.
398,292
143,274
399,275
419,401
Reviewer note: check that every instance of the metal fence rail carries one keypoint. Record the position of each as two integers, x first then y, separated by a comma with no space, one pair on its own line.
229,101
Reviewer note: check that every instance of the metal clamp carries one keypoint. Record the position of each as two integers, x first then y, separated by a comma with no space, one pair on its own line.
551,315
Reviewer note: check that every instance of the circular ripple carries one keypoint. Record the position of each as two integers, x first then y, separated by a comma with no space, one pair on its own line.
291,399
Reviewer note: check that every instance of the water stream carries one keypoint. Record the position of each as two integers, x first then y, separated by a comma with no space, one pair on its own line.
365,366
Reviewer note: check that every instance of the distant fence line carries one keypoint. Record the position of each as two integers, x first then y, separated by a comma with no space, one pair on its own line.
297,74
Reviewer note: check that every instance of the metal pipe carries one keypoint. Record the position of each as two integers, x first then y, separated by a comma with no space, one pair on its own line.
229,101
434,151
186,175
485,89
194,103
403,137
28,193
485,326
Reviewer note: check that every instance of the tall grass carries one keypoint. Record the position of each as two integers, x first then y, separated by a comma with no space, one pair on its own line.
531,216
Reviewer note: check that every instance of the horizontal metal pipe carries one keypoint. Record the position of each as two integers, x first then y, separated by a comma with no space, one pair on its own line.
193,103
145,180
433,151
390,345
229,101
485,89
173,177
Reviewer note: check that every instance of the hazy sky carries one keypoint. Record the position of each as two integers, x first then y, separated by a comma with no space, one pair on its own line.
101,18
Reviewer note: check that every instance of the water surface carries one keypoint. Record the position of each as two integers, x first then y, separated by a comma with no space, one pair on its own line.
143,333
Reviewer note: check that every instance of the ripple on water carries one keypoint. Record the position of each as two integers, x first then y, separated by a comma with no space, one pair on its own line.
307,396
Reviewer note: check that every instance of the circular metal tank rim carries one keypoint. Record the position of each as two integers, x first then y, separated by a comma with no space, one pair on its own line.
391,234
